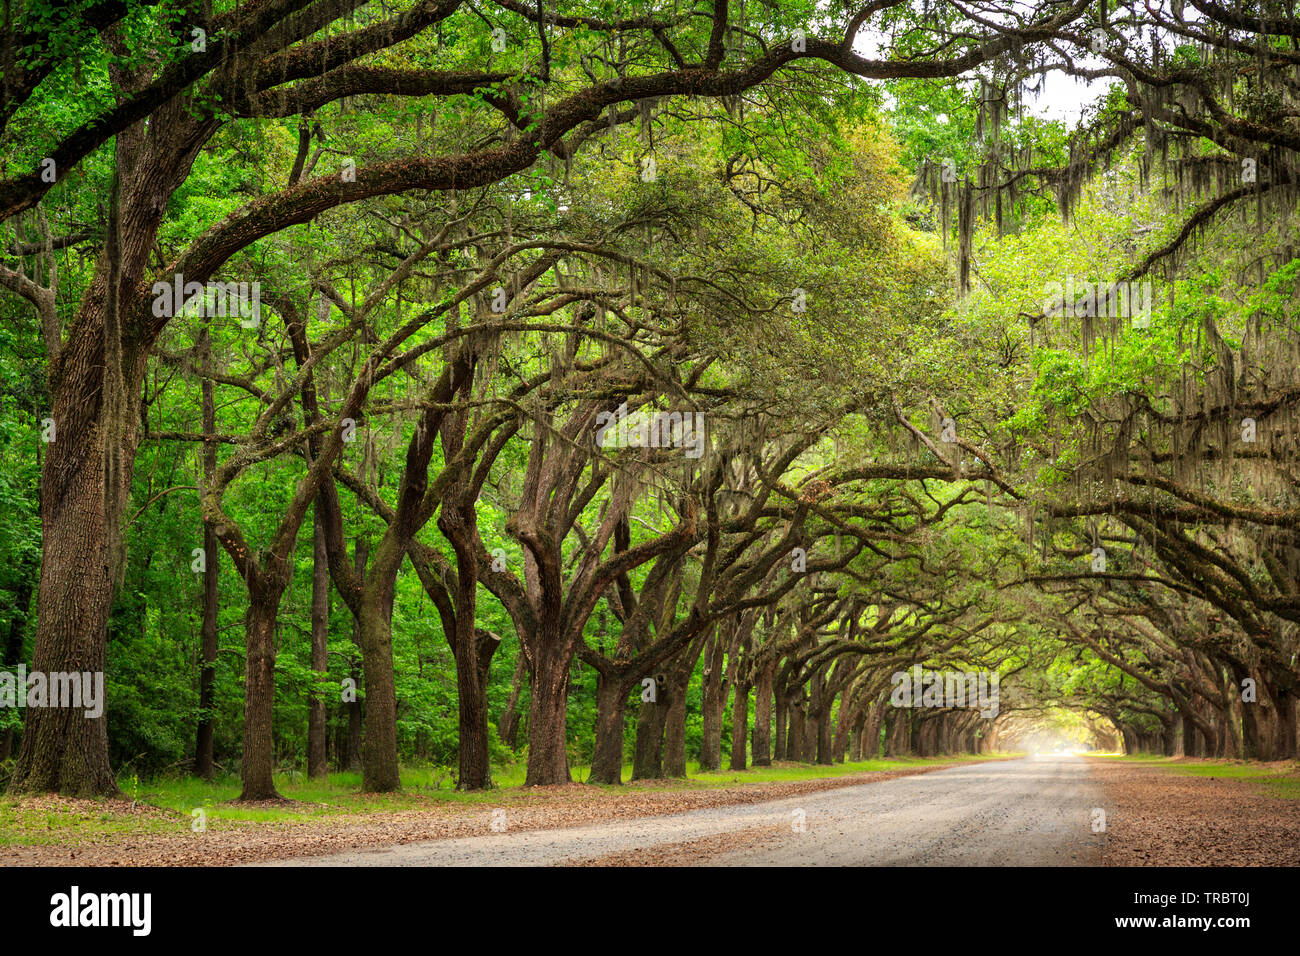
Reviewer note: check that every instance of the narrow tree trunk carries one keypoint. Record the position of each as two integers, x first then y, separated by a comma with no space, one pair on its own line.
508,725
356,721
647,753
317,761
1286,725
259,697
675,730
844,724
203,760
476,649
763,717
810,730
825,702
739,724
356,706
379,769
855,737
611,702
871,729
782,725
713,701
795,734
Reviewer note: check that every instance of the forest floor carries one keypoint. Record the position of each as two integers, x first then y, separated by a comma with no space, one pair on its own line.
1159,811
1177,811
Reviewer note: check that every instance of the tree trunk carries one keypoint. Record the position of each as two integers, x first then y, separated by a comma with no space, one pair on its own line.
611,702
508,725
548,751
825,700
898,741
782,724
739,724
475,649
795,734
1286,724
713,702
845,722
63,750
379,769
1191,739
356,706
259,697
675,729
356,721
763,717
317,761
871,730
203,760
648,750
94,384
855,737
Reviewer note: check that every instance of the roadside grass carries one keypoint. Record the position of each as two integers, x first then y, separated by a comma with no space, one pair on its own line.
1281,780
166,805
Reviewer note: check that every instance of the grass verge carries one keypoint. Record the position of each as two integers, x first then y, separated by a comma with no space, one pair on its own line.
160,806
1279,779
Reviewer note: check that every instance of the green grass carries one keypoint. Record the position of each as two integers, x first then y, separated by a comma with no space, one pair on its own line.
164,806
1283,783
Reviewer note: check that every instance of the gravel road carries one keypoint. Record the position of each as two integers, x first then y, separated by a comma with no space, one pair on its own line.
1034,811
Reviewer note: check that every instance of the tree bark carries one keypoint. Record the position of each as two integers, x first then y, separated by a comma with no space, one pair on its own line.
795,734
203,757
356,707
763,717
675,731
379,769
548,751
739,724
317,759
611,703
648,750
713,702
259,698
62,750
508,725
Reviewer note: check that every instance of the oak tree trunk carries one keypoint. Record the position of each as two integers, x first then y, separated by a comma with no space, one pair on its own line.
763,718
317,760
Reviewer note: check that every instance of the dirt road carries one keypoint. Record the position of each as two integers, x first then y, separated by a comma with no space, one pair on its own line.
1034,811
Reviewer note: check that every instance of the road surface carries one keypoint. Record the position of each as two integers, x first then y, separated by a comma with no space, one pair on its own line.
1037,811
